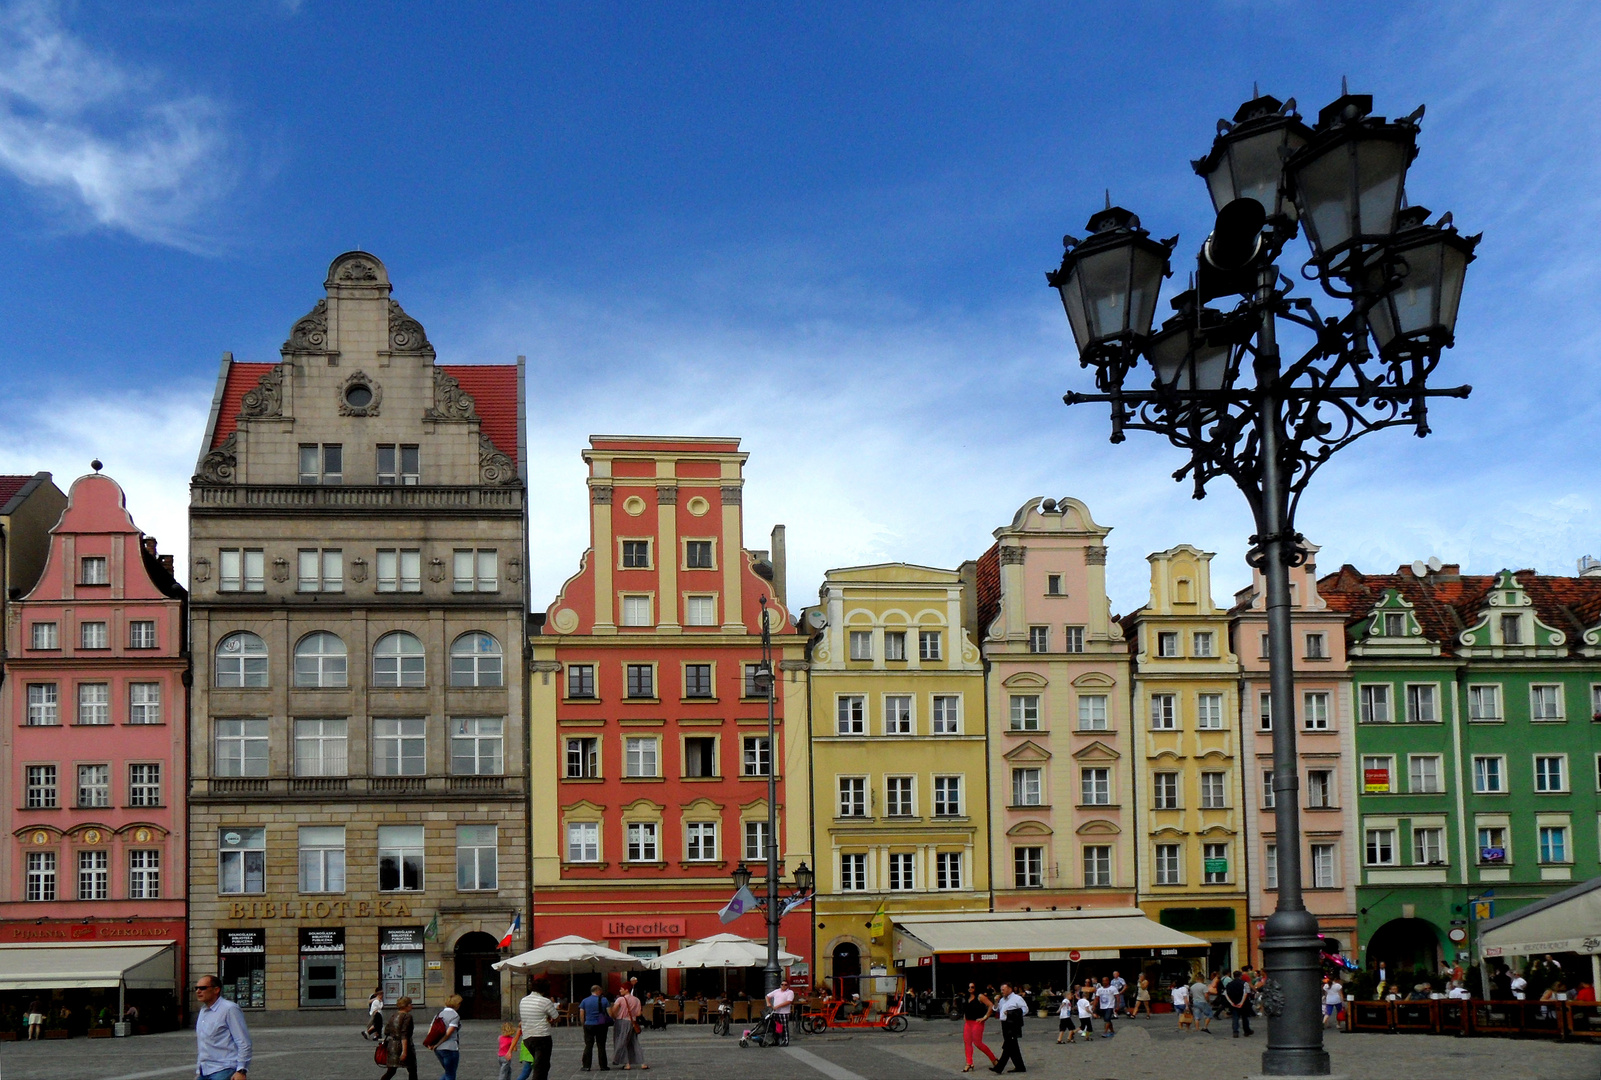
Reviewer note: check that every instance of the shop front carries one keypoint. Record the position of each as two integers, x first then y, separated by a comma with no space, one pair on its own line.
79,989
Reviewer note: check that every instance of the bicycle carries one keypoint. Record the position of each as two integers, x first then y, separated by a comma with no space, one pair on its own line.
724,1019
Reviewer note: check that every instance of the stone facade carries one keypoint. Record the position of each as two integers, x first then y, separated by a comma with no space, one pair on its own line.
358,767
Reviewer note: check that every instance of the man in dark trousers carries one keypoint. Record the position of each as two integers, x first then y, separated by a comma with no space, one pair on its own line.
597,1021
1238,995
1011,1008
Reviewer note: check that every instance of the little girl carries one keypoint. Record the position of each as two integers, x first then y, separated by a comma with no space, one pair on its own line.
1064,1017
508,1050
1086,1010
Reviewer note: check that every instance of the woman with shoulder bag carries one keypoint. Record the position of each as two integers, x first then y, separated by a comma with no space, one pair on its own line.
444,1037
625,1012
397,1049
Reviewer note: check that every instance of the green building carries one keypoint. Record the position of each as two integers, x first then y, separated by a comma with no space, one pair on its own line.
1478,749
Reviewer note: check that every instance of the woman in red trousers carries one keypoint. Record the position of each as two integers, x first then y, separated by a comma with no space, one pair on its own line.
975,1010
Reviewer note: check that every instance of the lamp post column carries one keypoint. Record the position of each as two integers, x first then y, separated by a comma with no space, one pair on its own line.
1290,943
774,913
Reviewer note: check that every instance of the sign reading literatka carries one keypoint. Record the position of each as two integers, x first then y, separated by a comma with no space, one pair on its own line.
644,927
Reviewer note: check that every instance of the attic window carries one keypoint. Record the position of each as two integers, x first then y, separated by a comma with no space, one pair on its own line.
1511,630
1394,624
358,395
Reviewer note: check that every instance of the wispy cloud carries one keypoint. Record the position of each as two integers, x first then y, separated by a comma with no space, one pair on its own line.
110,145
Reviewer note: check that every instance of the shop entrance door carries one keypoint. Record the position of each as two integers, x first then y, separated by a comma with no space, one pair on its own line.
477,981
322,982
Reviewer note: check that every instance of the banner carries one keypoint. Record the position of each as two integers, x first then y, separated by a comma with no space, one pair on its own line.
743,901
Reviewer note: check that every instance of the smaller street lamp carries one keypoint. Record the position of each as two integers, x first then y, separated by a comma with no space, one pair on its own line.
741,876
804,879
1419,314
1247,157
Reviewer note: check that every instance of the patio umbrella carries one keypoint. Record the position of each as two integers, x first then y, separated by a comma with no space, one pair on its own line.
570,954
722,951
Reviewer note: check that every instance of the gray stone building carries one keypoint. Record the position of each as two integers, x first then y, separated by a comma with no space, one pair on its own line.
358,762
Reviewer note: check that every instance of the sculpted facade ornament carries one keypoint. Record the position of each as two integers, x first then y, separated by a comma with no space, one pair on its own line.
451,402
731,496
280,569
494,467
360,396
358,569
436,569
667,496
514,570
218,466
405,333
202,569
1094,556
358,271
267,398
600,496
310,334
1012,556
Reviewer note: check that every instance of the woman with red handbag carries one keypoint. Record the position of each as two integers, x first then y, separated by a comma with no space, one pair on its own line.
396,1051
442,1037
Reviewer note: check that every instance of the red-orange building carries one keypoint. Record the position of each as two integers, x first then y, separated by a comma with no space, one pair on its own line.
649,740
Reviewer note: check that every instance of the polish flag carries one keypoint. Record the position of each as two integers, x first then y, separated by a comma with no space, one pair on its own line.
511,931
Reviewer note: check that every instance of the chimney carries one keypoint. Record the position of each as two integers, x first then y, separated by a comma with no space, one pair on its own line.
166,562
149,543
780,567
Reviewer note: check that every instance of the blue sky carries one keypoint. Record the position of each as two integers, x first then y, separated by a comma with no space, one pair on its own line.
819,227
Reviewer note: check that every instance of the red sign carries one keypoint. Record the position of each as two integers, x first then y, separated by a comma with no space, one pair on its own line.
23,933
1376,779
1073,955
649,927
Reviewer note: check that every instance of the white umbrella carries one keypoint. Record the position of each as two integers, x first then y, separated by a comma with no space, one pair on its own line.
723,951
571,954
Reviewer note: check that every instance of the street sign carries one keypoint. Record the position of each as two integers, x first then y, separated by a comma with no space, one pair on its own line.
1073,955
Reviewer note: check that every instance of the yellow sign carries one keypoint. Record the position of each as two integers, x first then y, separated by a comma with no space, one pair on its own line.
320,909
875,928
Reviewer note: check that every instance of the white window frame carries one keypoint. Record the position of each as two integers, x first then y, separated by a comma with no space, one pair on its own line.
144,874
1164,712
94,704
948,875
643,842
1165,788
144,703
94,786
930,645
1373,698
1325,866
947,796
398,666
1330,789
144,784
1039,639
700,841
1028,867
1500,774
249,736
852,871
1477,695
581,759
1097,862
1388,764
899,717
1416,695
1422,848
1209,712
852,802
403,844
41,876
850,714
1413,774
1201,642
1214,790
1543,711
642,756
861,644
475,570
1167,644
1088,707
583,842
1028,786
320,570
1543,851
700,609
945,717
1025,712
477,857
1315,710
94,874
1542,783
399,570
321,746
1216,851
44,636
477,746
1376,849
900,796
756,756
322,858
399,746
94,634
1095,790
1169,862
902,871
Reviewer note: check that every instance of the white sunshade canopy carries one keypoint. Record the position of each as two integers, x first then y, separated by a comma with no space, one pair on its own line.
149,966
1569,921
722,951
1044,935
570,955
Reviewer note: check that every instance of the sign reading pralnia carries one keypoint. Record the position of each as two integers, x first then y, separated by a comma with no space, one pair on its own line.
319,909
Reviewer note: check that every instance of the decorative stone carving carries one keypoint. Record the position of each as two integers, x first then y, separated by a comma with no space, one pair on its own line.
347,408
514,570
494,467
359,271
405,333
1012,556
1272,997
358,569
267,397
600,496
436,569
1094,556
731,496
280,569
451,402
202,569
218,466
565,620
310,334
667,496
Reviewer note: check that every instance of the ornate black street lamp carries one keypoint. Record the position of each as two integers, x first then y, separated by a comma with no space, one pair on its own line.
1396,280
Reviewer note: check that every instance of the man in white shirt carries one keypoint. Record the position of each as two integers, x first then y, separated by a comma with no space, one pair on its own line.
1520,987
781,999
536,1011
1011,1008
1181,1004
1106,1002
1118,988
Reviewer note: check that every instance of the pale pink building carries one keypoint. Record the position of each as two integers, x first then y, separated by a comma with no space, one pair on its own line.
95,712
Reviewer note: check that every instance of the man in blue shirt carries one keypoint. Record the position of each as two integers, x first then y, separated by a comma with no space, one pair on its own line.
597,1020
220,1032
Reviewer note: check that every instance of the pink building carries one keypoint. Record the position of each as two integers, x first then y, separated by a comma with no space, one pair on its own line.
94,713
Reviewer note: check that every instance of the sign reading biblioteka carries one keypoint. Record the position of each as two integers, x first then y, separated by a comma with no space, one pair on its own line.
319,909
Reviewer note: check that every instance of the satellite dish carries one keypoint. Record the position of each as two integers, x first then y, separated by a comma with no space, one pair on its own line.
1435,564
816,619
1420,568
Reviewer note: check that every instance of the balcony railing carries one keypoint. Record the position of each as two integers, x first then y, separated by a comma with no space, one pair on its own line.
399,783
477,783
340,787
319,783
349,497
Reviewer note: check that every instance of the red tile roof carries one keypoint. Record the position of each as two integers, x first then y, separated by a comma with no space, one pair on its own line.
10,485
242,378
494,390
987,577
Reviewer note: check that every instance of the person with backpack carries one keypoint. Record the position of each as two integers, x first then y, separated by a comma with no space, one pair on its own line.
595,1011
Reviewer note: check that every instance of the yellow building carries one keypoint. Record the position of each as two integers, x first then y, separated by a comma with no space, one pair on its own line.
1190,805
898,761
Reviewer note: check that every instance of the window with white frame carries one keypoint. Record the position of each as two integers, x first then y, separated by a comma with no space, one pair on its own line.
1026,787
475,660
398,464
1092,712
477,858
1097,866
475,570
1545,702
1322,867
1319,789
641,756
1264,646
1381,847
1424,775
401,849
1164,712
1315,710
1374,699
861,642
947,714
1484,702
93,570
1489,775
1214,790
850,711
94,786
700,841
41,880
144,874
1420,704
1209,712
93,635
700,611
1028,867
1553,843
700,756
1378,774
1394,624
240,747
757,756
947,796
1316,647
1511,630
1169,863
1493,845
477,746
1428,847
583,758
853,872
894,644
322,858
44,635
948,871
320,570
1216,866
898,714
1550,773
902,871
141,634
322,747
94,703
754,681
1267,789
144,783
1095,786
1039,639
1264,719
241,860
898,796
1201,641
322,463
241,570
241,661
755,841
320,661
399,570
94,875
852,796
1270,866
398,660
583,841
399,746
928,645
1025,712
1167,643
1073,639
1165,791
144,703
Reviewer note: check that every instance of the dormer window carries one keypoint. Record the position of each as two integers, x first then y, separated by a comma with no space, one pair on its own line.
1511,630
1394,624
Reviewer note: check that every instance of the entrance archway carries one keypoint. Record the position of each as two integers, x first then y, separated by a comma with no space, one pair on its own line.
1404,945
847,960
477,981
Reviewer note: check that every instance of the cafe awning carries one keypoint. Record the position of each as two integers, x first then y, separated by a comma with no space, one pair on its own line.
1094,934
147,966
1568,921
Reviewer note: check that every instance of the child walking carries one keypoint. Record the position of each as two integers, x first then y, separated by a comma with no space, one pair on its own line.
1064,1018
508,1050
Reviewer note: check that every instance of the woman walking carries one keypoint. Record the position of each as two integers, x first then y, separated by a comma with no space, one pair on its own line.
1142,998
375,1016
448,1048
976,1010
625,1012
35,1020
399,1053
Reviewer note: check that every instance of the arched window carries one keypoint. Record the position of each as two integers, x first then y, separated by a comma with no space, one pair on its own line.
475,660
320,660
397,660
241,660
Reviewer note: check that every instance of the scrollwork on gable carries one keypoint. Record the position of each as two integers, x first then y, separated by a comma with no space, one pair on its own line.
218,466
266,398
494,467
405,333
451,402
310,334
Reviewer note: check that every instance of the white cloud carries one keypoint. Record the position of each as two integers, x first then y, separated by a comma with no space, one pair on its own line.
112,146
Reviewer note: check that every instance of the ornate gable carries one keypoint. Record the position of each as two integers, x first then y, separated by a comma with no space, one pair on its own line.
1509,627
1097,751
1028,750
1391,629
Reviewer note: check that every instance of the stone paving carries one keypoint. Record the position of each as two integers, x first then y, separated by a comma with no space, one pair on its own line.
928,1049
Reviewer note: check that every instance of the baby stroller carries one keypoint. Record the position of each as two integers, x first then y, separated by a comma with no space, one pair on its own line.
771,1029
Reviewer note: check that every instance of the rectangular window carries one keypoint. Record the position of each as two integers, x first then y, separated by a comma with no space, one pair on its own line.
1545,702
583,759
1028,867
698,681
861,644
898,714
700,756
1316,649
636,554
1053,584
700,841
580,680
1202,643
1092,714
928,644
1097,866
477,746
947,796
902,867
1214,790
852,796
41,875
755,841
853,872
1165,791
1550,773
641,681
44,635
1319,789
1489,775
1484,702
947,714
757,758
321,570
322,858
1322,867
477,858
583,841
94,703
636,611
398,463
753,681
1039,639
642,842
1428,847
400,858
850,711
1265,712
94,786
1270,866
93,571
640,757
144,784
1164,712
144,875
1095,787
242,570
1375,702
322,464
141,634
898,796
948,870
92,635
1553,844
1169,861
1268,799
698,555
1026,787
1381,847
1209,712
241,860
895,645
1265,648
1511,630
399,570
1492,845
144,703
1394,624
475,570
700,611
241,747
1595,702
1423,774
1376,774
322,748
1420,705
1167,643
399,747
1025,712
1315,711
1073,639
94,875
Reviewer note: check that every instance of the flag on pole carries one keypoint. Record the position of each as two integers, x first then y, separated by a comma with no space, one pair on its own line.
431,931
743,901
511,931
794,902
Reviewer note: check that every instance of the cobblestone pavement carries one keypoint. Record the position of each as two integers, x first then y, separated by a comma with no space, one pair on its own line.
929,1049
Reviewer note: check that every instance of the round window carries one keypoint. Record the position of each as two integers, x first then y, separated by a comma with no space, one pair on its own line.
358,395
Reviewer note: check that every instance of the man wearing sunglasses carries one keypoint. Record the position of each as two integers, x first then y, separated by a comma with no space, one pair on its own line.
220,1031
